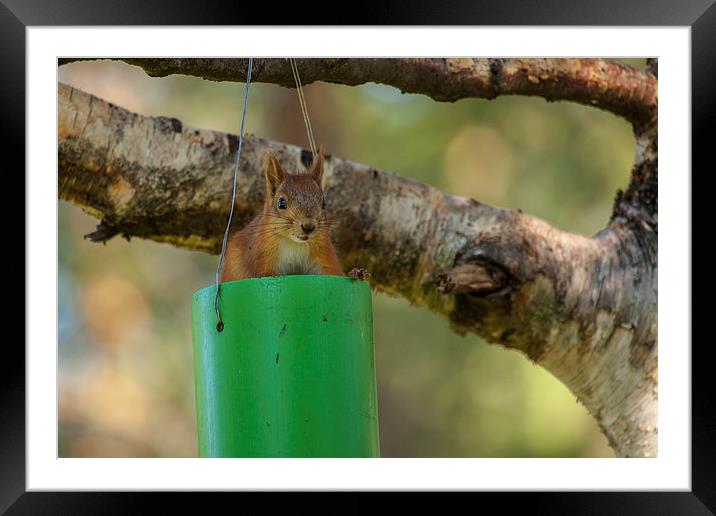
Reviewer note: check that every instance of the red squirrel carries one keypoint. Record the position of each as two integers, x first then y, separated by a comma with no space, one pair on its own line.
291,235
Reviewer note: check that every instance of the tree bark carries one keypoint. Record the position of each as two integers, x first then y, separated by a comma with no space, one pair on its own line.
613,86
584,308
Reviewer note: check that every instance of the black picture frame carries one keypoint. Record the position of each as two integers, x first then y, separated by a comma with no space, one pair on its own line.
16,15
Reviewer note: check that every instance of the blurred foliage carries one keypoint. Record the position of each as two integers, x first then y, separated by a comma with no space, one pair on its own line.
125,362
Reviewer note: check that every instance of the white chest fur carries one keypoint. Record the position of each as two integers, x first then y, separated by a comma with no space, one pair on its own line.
293,258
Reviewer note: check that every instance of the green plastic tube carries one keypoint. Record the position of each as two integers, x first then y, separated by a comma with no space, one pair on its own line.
292,373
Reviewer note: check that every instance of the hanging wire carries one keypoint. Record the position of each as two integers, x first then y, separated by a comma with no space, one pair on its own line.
304,109
220,323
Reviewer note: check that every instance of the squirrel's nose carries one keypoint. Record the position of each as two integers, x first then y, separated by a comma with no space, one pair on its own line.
308,227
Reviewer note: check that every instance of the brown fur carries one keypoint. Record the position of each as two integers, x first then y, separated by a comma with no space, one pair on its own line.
256,250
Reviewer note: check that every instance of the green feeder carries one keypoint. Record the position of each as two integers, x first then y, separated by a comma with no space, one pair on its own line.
292,373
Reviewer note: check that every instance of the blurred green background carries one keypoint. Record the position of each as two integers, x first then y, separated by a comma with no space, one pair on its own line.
125,362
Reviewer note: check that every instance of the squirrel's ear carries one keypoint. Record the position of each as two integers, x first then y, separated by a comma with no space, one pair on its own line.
273,173
317,167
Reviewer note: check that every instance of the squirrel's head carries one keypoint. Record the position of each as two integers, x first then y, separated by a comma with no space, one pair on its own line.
295,205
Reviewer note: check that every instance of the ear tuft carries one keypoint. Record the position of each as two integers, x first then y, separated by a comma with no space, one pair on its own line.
317,167
273,173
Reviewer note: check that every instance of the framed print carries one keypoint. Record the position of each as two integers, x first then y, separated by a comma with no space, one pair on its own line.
398,257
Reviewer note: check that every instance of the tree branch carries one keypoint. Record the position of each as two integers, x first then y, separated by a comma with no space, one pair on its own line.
615,87
584,308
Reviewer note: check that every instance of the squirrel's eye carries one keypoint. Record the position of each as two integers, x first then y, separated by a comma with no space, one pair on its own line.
282,203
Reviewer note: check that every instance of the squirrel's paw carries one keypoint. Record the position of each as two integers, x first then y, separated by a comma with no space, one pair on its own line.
359,273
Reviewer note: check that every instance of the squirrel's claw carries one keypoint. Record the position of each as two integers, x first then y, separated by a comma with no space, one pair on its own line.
359,273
